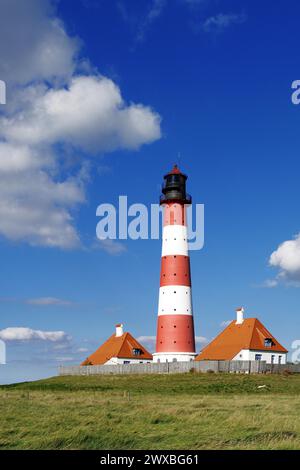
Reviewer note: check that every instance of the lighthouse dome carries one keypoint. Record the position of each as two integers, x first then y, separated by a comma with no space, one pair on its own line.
174,187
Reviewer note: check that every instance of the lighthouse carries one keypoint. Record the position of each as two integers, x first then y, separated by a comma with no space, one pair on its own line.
175,339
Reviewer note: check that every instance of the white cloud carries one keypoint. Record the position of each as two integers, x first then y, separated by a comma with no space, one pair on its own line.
147,341
64,359
221,21
270,283
112,247
52,120
141,23
61,347
36,209
81,350
287,259
16,158
155,10
33,43
225,323
89,114
27,334
201,340
194,3
45,301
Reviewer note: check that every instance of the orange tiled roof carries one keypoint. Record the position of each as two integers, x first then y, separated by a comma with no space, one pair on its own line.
117,346
248,335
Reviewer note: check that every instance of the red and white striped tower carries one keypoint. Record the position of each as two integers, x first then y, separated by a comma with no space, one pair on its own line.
175,339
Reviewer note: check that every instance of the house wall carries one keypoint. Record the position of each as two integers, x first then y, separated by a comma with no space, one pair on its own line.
120,360
249,355
173,357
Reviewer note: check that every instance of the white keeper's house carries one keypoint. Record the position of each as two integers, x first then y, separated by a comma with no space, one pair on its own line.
245,339
120,348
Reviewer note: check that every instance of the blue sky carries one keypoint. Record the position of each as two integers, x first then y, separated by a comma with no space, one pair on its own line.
213,82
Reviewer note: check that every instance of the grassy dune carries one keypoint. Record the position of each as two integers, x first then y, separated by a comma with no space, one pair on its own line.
187,411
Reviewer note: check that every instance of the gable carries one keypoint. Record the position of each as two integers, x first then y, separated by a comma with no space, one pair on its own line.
260,333
117,346
251,334
229,342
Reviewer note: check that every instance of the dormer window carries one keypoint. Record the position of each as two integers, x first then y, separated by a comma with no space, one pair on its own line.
137,351
268,342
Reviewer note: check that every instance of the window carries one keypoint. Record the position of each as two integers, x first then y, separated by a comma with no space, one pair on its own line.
126,362
268,342
174,179
279,359
258,357
272,358
137,351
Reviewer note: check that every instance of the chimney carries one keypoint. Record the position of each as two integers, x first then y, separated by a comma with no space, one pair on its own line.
119,329
239,316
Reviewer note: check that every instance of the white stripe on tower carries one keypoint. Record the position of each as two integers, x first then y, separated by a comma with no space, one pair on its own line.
175,300
174,240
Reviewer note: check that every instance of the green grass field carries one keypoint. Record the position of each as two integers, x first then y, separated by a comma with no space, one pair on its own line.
186,411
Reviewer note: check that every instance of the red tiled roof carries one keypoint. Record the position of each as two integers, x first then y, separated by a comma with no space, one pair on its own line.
251,334
117,346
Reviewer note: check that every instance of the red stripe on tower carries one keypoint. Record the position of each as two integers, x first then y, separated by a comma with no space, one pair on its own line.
175,339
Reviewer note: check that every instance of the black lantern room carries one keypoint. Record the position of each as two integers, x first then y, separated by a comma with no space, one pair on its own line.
174,187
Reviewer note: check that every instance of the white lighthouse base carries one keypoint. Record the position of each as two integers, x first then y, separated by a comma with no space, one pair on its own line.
174,357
